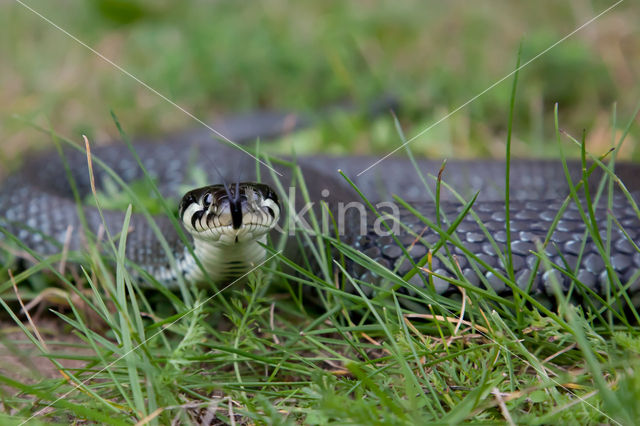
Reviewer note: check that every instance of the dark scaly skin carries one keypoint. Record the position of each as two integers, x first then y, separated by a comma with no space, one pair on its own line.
39,196
538,189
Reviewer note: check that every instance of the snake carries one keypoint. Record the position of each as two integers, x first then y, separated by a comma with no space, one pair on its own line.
559,229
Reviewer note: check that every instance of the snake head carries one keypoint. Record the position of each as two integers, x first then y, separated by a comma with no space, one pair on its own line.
238,213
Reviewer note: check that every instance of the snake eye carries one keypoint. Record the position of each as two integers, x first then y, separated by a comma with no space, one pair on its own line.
187,200
207,200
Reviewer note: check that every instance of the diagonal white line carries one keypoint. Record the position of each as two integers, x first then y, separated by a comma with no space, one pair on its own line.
243,150
492,86
124,71
188,312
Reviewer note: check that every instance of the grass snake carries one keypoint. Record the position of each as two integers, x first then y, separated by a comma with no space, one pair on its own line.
37,207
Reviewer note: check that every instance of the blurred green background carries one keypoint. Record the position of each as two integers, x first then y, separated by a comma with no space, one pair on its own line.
221,58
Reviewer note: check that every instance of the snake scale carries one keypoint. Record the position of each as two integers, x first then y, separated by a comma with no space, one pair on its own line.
37,207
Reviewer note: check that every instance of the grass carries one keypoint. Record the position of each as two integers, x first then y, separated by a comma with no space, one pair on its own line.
263,352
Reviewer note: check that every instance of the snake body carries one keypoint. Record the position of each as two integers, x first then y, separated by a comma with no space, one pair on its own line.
37,207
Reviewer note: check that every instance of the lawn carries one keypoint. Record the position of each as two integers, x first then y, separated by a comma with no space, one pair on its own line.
293,348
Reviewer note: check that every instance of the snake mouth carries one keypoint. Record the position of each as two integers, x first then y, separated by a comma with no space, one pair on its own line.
230,214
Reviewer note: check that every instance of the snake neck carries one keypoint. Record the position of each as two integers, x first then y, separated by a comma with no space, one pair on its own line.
222,262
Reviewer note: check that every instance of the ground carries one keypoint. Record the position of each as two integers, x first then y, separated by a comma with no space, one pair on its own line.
263,351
